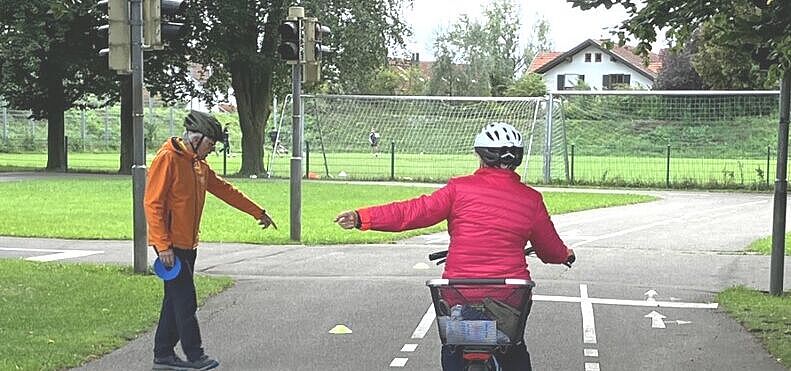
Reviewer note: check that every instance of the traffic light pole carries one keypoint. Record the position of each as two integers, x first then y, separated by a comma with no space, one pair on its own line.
296,152
139,155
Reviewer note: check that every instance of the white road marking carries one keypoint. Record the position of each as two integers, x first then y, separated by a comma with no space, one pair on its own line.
425,323
409,347
55,254
591,352
636,303
588,324
656,319
398,362
591,366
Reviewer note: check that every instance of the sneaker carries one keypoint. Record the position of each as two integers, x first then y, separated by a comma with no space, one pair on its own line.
203,363
171,363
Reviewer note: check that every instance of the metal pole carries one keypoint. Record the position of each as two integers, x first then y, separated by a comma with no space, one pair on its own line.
768,157
139,155
170,122
667,168
296,152
66,154
5,124
392,160
307,159
781,184
548,142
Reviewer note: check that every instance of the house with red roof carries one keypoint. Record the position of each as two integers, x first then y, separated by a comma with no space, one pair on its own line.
598,67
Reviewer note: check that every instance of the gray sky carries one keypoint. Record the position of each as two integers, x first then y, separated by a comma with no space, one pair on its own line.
569,26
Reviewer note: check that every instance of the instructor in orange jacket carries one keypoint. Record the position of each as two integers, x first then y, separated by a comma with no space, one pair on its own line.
175,192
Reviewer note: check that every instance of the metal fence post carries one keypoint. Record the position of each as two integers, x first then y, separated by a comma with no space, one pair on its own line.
307,159
66,154
5,125
170,121
768,156
392,160
667,168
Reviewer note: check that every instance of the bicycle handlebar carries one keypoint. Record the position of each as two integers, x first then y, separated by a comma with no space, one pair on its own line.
528,251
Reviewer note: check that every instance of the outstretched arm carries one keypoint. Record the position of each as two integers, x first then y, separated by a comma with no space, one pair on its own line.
234,197
548,245
419,212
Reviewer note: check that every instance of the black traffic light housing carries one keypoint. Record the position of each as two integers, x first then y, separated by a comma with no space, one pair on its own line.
290,40
161,22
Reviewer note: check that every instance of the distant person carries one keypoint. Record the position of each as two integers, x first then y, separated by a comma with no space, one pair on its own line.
274,138
373,139
175,193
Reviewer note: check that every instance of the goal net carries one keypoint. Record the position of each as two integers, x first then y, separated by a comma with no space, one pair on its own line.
410,138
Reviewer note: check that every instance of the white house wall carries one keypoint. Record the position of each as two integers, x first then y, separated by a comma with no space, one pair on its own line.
593,70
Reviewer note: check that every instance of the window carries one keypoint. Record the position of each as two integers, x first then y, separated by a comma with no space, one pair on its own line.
569,81
610,82
598,57
587,57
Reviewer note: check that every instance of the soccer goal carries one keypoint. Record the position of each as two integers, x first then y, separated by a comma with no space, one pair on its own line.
417,138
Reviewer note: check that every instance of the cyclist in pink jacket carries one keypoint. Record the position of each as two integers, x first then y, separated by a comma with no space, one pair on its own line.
491,217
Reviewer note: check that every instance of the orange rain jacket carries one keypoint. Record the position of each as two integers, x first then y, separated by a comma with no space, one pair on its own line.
175,193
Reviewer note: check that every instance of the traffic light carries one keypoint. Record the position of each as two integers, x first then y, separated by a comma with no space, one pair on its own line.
314,48
118,35
290,40
159,22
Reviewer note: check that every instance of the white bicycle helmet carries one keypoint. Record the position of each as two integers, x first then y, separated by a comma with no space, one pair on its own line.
499,144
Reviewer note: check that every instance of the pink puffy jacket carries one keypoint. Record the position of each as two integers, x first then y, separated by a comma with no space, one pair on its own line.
491,216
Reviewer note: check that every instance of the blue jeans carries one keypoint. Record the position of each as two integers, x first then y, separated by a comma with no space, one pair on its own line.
516,359
177,320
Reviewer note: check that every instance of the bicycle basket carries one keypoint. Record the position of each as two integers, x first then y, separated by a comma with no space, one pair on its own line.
481,311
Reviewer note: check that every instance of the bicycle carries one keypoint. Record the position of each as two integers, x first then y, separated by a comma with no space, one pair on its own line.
481,317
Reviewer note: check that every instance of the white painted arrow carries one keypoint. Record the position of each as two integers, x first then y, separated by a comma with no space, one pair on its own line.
656,319
680,322
651,293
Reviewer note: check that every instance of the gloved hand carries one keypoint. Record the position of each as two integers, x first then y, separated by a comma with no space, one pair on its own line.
167,257
265,221
570,258
348,219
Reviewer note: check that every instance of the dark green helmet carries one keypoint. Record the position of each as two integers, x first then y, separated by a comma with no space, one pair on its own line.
204,123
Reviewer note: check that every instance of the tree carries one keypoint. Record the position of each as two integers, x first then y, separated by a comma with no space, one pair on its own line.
539,42
677,72
530,85
235,40
725,68
758,28
385,82
48,63
475,58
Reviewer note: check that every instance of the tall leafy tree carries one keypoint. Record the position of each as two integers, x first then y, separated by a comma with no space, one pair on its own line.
478,57
677,71
48,62
539,41
236,40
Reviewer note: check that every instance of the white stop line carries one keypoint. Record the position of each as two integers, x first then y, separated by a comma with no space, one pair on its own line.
54,254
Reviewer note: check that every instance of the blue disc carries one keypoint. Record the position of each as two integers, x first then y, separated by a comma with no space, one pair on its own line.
165,273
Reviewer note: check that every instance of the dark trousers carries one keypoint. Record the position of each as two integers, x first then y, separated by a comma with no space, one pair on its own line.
516,359
177,320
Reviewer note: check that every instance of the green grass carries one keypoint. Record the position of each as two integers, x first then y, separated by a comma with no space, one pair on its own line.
102,209
648,170
56,316
766,316
764,245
